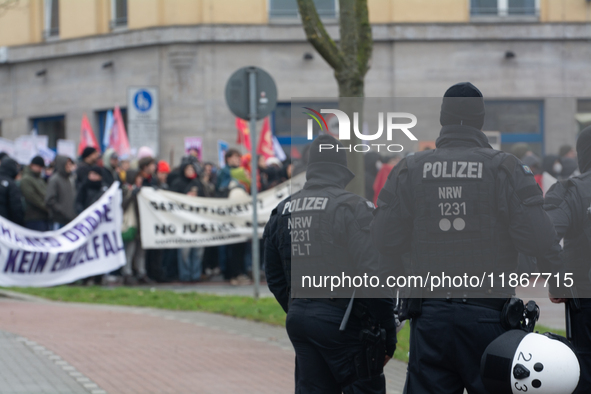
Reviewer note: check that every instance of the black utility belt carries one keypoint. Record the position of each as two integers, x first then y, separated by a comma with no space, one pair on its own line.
496,304
358,310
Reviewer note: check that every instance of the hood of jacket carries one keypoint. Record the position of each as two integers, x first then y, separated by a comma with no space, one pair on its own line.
107,159
60,165
454,136
8,168
319,175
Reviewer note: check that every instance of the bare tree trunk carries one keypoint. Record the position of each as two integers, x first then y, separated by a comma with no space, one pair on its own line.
349,60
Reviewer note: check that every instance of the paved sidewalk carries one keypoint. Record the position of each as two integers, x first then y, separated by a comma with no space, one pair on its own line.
141,350
26,367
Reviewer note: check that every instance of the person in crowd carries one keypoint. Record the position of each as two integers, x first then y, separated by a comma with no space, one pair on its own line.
60,197
91,190
110,167
124,166
11,206
552,165
382,175
570,167
144,151
162,173
89,158
147,168
520,150
286,168
48,171
208,179
372,164
189,259
567,151
34,189
226,179
135,254
273,173
232,260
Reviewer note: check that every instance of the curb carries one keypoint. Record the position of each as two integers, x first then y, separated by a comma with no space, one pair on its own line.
21,297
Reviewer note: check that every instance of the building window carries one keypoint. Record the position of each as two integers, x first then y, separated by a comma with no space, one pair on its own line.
118,14
101,117
288,9
54,127
504,8
518,121
52,18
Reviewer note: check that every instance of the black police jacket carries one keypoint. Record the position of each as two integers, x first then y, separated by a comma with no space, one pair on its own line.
568,203
338,237
11,206
464,208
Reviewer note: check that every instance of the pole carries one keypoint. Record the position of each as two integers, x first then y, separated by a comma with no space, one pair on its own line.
252,80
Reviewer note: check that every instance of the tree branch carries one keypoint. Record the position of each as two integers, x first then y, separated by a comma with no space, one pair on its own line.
318,36
365,39
349,37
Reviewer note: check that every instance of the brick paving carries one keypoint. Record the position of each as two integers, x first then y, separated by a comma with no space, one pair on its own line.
141,350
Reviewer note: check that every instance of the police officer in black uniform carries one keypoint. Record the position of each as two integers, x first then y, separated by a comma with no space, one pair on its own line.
324,228
568,203
460,208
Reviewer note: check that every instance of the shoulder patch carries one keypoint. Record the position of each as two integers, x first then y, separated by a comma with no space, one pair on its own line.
527,170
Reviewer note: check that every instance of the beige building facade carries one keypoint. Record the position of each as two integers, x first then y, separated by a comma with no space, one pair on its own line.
61,59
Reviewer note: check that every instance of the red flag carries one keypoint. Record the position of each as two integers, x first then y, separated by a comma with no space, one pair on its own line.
265,147
87,137
295,153
118,139
243,133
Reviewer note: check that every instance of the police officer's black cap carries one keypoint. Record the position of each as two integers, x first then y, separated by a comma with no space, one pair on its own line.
327,155
463,104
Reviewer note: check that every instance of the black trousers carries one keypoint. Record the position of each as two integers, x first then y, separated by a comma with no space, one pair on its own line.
581,328
446,344
325,355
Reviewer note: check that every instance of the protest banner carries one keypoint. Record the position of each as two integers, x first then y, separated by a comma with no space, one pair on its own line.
90,245
194,144
174,220
7,146
222,149
25,148
67,148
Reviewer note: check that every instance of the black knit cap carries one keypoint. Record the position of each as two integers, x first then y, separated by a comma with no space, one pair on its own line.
38,160
327,154
463,104
89,150
584,150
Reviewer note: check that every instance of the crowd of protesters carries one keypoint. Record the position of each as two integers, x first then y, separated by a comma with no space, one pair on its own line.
47,197
44,198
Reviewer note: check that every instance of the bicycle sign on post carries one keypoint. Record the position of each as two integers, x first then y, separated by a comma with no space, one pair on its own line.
251,94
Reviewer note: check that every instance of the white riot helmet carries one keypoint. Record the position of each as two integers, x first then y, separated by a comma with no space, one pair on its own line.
518,362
